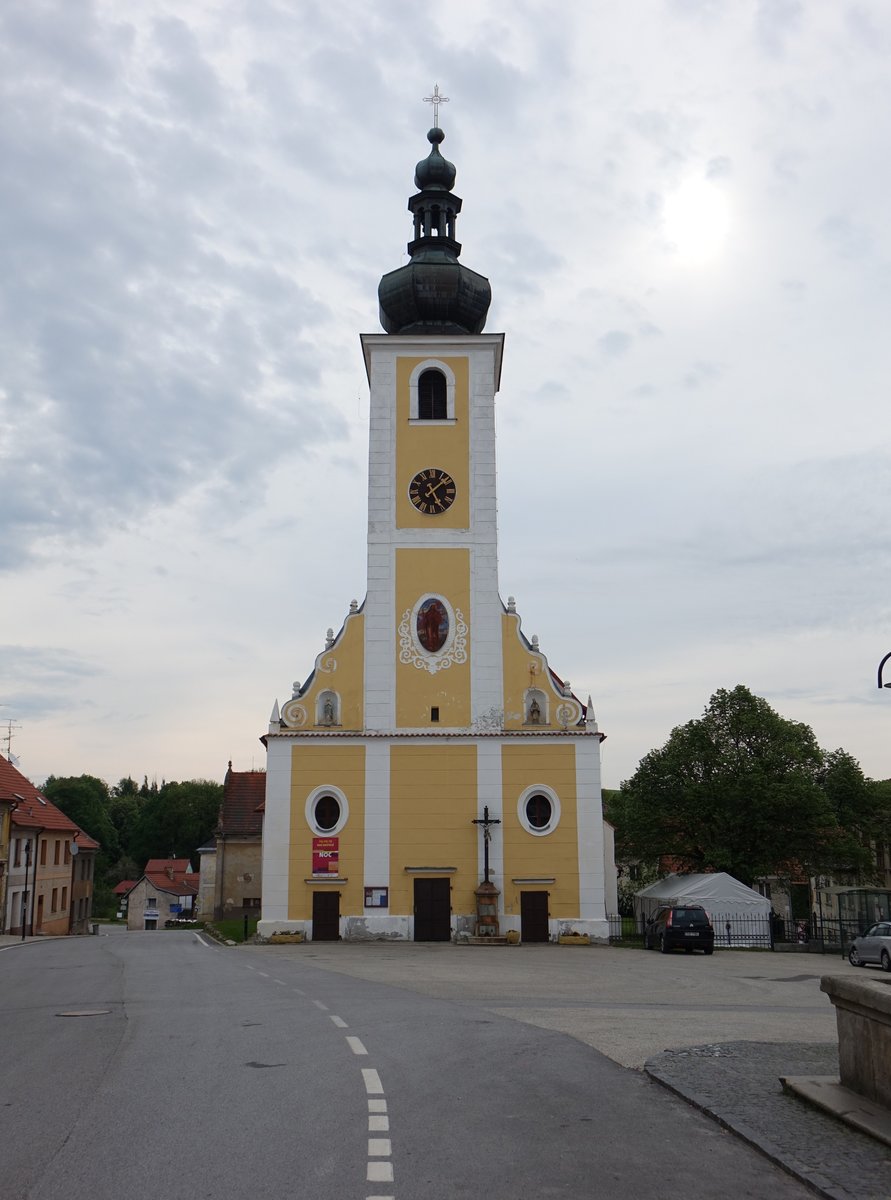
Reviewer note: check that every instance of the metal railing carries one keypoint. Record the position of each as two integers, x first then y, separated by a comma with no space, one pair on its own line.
817,934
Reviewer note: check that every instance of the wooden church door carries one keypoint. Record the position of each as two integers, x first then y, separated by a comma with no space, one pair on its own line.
433,910
534,916
325,916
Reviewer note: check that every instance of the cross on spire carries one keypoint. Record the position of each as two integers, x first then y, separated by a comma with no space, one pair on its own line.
436,100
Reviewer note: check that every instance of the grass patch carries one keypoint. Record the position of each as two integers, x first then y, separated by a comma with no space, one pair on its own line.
232,929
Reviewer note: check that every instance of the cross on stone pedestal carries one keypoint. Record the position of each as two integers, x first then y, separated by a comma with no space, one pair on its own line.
486,821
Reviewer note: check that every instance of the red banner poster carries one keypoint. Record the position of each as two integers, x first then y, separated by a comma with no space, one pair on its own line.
324,856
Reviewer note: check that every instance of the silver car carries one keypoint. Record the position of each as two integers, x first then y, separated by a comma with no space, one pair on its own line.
874,946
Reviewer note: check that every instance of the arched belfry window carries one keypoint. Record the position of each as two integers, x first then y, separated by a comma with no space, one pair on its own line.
432,396
431,392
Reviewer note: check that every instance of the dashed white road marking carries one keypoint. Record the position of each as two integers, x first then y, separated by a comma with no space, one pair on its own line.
205,944
378,1124
373,1085
380,1172
379,1148
319,1004
356,1046
263,973
376,1105
380,1198
281,981
340,1022
300,991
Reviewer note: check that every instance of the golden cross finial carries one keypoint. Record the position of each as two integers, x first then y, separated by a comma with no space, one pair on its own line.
436,100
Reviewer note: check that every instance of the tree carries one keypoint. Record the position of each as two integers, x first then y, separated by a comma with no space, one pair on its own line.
176,818
743,790
84,799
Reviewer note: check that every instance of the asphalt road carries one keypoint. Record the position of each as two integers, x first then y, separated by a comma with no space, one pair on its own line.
217,1072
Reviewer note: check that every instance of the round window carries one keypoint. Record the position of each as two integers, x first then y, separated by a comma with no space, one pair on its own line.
327,812
539,811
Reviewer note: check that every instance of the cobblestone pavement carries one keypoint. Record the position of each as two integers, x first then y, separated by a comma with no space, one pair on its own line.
739,1084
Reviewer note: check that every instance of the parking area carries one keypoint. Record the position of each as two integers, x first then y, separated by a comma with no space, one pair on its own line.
629,1004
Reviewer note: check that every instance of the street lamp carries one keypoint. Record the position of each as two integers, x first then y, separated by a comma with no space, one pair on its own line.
881,669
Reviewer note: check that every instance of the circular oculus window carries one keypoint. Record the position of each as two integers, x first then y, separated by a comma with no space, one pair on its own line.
327,811
539,810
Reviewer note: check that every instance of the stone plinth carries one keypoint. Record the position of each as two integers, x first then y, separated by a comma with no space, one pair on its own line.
863,1013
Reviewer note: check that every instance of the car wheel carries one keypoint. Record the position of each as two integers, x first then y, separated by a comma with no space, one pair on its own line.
663,945
854,958
709,950
886,961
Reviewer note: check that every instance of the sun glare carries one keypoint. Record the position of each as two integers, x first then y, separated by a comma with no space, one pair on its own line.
696,221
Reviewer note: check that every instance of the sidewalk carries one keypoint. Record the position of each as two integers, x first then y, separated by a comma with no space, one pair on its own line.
738,1083
15,939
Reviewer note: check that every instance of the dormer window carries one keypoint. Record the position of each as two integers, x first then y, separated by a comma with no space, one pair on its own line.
432,396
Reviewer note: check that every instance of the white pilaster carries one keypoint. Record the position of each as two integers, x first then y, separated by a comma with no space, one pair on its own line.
489,791
590,834
276,835
377,818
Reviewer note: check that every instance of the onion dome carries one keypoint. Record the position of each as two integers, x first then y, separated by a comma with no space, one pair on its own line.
434,293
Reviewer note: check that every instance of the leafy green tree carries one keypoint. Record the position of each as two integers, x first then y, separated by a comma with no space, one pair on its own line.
176,819
85,799
742,790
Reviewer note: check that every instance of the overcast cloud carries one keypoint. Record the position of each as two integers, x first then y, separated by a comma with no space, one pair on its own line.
682,208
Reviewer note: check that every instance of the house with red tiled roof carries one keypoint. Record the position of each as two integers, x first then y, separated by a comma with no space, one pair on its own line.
165,891
51,863
237,863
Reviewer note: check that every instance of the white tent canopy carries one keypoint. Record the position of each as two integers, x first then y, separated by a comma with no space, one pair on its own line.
719,894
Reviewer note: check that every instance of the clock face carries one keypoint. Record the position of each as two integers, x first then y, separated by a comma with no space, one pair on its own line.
432,491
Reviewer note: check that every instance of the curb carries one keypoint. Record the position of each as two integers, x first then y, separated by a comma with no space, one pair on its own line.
792,1166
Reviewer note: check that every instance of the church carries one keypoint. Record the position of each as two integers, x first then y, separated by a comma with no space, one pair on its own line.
434,778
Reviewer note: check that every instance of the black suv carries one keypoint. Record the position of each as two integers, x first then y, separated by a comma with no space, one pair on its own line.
687,926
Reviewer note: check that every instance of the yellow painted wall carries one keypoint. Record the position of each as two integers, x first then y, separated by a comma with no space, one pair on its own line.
421,572
313,767
433,790
523,669
433,445
341,669
556,854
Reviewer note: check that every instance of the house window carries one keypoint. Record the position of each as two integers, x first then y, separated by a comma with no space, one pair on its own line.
43,853
151,902
17,852
64,898
432,396
54,901
57,853
67,853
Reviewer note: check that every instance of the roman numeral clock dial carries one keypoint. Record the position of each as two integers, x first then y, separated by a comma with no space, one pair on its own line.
432,491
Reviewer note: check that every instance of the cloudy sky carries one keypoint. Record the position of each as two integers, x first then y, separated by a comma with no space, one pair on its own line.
682,209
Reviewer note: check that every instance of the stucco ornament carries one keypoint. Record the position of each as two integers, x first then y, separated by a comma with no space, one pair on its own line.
450,650
492,720
294,714
569,712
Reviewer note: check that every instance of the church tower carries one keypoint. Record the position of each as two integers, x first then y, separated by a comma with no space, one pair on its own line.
434,778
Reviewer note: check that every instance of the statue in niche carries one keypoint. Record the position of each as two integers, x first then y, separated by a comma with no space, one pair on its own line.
329,714
534,712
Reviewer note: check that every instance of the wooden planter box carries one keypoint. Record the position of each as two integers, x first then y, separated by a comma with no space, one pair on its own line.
285,939
574,939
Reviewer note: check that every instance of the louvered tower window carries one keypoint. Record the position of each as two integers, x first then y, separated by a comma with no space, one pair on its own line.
432,401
